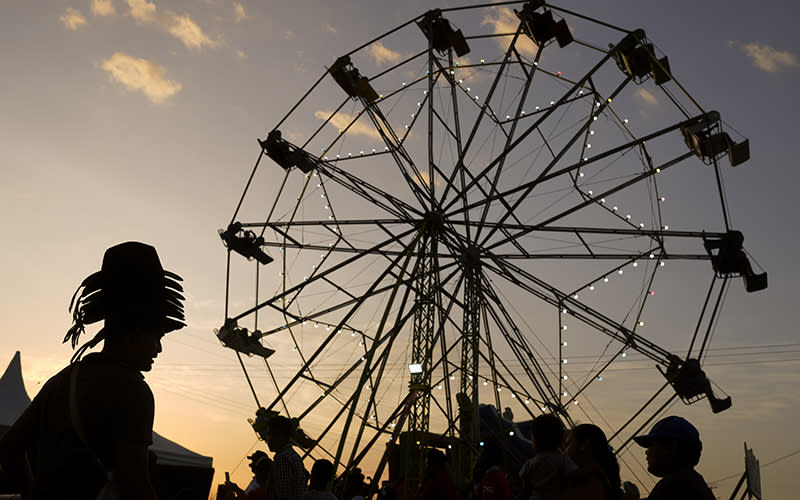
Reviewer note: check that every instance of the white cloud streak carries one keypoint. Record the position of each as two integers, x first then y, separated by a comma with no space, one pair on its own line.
72,19
141,75
182,27
504,21
239,13
646,96
103,8
342,120
383,55
769,59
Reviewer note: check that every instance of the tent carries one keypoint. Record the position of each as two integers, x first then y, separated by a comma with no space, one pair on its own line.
179,473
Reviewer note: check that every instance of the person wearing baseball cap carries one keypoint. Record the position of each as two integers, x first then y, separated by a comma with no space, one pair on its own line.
86,433
673,450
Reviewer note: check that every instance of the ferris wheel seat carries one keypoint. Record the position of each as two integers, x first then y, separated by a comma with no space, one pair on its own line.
286,154
239,339
691,384
441,35
755,282
542,28
739,152
245,243
705,138
351,80
730,260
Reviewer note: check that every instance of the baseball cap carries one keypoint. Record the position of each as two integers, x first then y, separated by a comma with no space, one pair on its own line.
672,427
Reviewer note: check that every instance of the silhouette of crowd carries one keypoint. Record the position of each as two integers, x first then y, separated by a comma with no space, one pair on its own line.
567,464
64,446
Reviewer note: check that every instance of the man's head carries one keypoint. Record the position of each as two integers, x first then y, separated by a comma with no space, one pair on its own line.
547,432
673,444
261,468
279,432
321,474
136,298
255,458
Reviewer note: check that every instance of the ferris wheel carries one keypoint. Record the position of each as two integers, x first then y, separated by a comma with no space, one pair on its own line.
495,204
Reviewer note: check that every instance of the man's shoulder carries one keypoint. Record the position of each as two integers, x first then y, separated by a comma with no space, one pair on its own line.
287,452
100,376
688,486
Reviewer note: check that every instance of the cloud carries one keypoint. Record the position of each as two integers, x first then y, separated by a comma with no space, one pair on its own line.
383,55
769,59
143,11
182,27
103,8
239,12
288,35
241,54
141,75
646,96
504,21
189,32
72,19
341,120
330,29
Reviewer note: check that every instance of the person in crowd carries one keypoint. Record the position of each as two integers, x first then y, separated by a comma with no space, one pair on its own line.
257,489
321,477
255,459
673,451
89,427
544,476
597,477
492,483
436,482
352,486
287,478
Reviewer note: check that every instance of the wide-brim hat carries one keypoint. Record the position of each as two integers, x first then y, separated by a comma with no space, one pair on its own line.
672,427
130,288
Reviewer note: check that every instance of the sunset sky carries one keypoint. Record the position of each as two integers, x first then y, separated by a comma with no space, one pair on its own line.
137,120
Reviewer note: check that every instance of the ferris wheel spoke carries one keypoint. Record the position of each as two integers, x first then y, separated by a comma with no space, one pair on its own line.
515,339
386,272
544,116
398,152
482,114
506,147
596,199
582,312
336,267
369,192
558,157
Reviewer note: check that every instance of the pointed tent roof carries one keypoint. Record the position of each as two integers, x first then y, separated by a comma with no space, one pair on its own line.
14,399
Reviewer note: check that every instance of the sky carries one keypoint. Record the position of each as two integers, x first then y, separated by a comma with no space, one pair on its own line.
137,120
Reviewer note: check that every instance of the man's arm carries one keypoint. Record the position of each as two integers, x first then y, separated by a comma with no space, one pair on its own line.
13,445
131,474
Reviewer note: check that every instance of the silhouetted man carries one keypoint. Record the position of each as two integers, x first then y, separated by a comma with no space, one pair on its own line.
321,476
91,424
287,478
673,450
